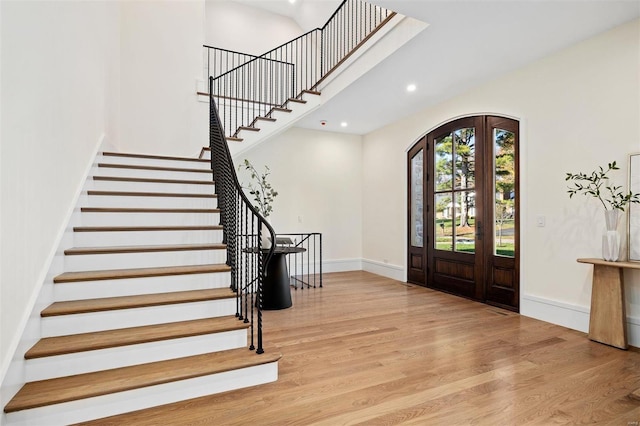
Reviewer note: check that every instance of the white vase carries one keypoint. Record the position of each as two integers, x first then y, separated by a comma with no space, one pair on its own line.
611,237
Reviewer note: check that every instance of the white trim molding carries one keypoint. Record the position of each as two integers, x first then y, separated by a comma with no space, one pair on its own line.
394,272
345,265
11,370
341,265
575,317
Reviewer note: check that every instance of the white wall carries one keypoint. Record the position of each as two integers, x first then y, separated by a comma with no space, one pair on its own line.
4,351
246,29
59,90
578,109
318,176
161,60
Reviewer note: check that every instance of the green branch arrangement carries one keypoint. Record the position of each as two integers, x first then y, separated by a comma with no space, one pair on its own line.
263,193
611,196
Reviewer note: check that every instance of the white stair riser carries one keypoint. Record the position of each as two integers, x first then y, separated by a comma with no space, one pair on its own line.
96,262
83,290
104,359
149,219
207,154
180,188
151,202
63,325
156,162
130,238
123,402
152,174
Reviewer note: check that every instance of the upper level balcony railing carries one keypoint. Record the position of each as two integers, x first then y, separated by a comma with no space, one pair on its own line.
264,84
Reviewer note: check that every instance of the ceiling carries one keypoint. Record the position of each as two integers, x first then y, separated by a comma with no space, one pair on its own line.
467,43
308,14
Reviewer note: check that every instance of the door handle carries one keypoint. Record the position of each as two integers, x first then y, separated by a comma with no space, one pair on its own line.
479,233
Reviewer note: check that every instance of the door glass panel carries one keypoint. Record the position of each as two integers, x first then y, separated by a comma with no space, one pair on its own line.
465,154
443,222
465,234
443,163
505,192
417,190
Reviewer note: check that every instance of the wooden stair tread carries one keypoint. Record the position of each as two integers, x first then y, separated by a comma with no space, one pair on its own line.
142,249
143,210
271,119
312,92
69,277
73,307
153,157
54,391
296,100
252,129
145,228
159,168
148,180
150,194
281,109
61,345
234,139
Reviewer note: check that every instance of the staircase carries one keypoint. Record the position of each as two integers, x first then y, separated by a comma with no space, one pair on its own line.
260,96
143,314
276,120
155,302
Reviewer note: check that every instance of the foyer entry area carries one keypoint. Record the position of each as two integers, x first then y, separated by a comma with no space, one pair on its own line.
369,350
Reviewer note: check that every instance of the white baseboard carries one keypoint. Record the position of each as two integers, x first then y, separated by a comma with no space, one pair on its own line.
571,316
341,265
394,272
344,265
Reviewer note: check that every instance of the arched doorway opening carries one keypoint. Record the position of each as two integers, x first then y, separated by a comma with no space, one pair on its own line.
464,220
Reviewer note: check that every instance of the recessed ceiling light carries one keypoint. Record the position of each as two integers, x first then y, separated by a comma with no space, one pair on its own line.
344,124
292,1
411,88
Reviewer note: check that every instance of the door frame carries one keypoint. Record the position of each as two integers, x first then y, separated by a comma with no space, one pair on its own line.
487,156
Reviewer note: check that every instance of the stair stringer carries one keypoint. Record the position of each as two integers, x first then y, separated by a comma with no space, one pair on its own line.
15,375
269,129
382,44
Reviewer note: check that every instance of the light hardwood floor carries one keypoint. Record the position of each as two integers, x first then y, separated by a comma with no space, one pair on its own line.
372,351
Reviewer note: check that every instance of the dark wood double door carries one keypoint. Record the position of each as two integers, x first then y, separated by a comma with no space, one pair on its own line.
464,212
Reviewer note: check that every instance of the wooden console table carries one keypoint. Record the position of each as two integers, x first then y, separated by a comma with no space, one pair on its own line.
608,319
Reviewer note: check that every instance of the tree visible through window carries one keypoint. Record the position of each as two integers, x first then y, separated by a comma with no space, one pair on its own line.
455,191
504,184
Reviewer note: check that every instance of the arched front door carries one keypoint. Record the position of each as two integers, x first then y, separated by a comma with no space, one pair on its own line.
464,211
